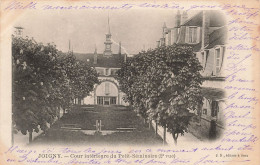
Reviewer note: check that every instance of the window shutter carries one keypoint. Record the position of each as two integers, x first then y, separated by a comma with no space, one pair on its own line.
198,34
222,55
187,34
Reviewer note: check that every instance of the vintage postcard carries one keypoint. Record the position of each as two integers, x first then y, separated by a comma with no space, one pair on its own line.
129,82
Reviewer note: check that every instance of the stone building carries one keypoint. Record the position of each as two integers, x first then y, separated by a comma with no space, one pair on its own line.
106,64
206,32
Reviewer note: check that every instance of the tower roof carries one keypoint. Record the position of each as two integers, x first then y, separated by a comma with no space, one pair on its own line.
108,25
164,25
95,49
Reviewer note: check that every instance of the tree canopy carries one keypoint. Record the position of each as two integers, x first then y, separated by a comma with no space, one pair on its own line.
163,84
45,80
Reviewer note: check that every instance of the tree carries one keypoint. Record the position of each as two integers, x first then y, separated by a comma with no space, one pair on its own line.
44,81
81,76
164,86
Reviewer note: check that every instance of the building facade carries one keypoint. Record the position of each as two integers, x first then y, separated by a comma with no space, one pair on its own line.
106,64
206,32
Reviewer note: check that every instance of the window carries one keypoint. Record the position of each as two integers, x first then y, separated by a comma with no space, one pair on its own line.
100,71
192,34
106,88
204,112
112,100
223,50
108,37
100,100
107,71
114,71
205,106
106,100
204,56
214,108
217,56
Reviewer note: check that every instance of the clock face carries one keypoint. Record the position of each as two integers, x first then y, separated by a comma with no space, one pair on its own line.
108,46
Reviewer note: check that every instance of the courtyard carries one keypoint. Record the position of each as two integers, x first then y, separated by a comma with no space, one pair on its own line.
119,126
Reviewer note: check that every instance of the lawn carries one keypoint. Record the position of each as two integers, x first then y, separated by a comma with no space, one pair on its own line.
84,118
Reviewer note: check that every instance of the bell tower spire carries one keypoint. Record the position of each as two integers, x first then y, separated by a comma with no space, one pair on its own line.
108,42
108,24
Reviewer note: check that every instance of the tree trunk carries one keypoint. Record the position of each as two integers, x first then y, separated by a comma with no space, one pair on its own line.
175,137
164,135
30,136
149,124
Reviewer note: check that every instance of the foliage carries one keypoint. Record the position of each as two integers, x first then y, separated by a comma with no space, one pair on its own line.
163,85
44,81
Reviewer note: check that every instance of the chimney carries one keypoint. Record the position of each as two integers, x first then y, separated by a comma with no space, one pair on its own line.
184,17
18,31
158,44
125,56
95,55
162,41
205,29
164,30
178,19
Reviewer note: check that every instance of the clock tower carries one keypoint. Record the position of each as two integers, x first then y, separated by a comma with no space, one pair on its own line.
108,43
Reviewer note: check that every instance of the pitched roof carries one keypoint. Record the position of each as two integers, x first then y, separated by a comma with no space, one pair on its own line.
197,47
113,61
213,93
196,20
217,37
216,18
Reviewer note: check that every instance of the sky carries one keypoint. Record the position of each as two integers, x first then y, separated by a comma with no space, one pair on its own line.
136,29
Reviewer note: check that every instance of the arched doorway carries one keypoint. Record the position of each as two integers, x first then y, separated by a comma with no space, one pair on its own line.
107,93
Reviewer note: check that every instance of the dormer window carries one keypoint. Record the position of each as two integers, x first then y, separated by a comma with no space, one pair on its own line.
192,35
204,58
107,72
219,54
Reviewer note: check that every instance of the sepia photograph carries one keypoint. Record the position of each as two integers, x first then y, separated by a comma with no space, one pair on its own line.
108,78
149,82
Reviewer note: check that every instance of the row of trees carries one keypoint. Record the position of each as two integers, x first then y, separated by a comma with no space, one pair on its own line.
45,81
163,84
